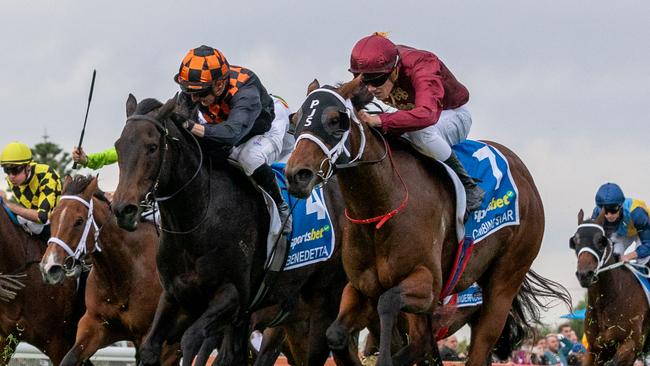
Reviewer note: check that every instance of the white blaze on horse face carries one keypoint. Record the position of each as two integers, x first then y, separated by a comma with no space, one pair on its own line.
313,104
51,261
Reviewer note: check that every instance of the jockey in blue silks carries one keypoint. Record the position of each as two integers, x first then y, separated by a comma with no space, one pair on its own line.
626,220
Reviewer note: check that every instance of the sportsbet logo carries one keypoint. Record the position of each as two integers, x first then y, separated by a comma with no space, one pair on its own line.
494,204
313,234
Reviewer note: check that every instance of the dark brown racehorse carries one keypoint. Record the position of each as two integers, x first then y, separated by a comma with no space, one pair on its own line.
41,315
123,287
403,265
214,239
617,322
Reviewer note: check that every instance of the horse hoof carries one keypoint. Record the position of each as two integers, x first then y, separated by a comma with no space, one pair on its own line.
337,338
148,357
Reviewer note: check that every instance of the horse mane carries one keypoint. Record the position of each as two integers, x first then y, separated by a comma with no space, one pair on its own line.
356,92
79,183
147,105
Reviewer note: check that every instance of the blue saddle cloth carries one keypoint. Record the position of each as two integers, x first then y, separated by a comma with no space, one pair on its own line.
312,235
500,207
11,214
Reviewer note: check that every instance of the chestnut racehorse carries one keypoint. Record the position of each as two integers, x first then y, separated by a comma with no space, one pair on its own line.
123,287
617,322
403,265
31,311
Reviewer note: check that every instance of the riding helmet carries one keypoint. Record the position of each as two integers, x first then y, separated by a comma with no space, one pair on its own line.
609,194
200,68
373,54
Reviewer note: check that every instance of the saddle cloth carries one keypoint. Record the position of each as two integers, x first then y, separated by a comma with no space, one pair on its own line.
312,238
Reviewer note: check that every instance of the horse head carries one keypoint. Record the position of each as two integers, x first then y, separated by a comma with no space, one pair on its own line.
141,151
592,248
74,230
323,126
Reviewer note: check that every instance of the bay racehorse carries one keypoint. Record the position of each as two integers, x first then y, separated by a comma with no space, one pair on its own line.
617,322
402,266
214,238
30,310
123,287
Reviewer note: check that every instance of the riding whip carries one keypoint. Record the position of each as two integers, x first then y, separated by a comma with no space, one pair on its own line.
83,130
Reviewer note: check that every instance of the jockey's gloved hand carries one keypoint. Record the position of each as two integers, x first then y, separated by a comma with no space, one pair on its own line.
188,124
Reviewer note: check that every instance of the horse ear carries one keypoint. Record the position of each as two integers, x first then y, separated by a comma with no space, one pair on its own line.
91,188
167,109
313,86
66,181
581,217
131,104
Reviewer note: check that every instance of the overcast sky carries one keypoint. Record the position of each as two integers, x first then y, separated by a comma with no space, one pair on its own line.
565,84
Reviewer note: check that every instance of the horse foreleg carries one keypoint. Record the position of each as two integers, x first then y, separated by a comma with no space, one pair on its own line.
269,351
355,312
414,295
192,341
626,352
164,323
91,336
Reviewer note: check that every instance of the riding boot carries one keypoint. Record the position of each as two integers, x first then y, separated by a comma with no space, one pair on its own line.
265,178
473,192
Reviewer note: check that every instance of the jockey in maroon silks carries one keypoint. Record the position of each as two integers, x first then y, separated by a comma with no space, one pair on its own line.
426,104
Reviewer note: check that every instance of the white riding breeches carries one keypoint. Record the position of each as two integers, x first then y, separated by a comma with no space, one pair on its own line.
434,141
265,148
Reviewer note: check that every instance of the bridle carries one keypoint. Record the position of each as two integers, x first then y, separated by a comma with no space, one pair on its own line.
151,197
607,254
75,257
333,154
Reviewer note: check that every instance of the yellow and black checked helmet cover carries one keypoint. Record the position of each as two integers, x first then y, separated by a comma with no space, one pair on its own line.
200,68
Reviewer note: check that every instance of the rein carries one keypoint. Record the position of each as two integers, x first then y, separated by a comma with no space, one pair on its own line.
331,155
151,195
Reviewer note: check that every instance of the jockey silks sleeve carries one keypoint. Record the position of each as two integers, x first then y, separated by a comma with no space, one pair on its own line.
41,192
245,107
102,158
642,224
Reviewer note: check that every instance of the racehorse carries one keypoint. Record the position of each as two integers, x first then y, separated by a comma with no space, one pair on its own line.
123,287
31,311
617,322
214,238
402,266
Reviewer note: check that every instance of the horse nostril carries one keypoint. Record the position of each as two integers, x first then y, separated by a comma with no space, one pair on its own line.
130,210
304,176
55,274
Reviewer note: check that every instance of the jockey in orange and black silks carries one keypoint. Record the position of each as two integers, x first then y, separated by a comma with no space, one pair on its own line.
235,111
626,220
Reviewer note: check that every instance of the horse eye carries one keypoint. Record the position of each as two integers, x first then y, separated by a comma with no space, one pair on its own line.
78,222
151,148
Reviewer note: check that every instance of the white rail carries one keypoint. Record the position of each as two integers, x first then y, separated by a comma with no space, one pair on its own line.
114,354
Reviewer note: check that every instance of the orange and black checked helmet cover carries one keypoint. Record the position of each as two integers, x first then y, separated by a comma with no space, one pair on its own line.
200,68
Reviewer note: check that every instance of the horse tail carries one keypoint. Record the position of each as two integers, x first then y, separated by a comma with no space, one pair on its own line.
535,295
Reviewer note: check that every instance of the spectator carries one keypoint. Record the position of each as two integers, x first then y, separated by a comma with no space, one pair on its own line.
449,350
573,337
565,329
552,353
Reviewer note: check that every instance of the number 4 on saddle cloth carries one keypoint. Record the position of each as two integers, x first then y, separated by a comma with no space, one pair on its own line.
312,235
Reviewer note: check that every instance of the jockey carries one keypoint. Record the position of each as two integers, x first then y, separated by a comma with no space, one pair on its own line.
234,110
36,187
430,103
626,220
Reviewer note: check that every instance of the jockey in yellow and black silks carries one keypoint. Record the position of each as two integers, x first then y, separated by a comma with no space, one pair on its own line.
36,187
626,220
